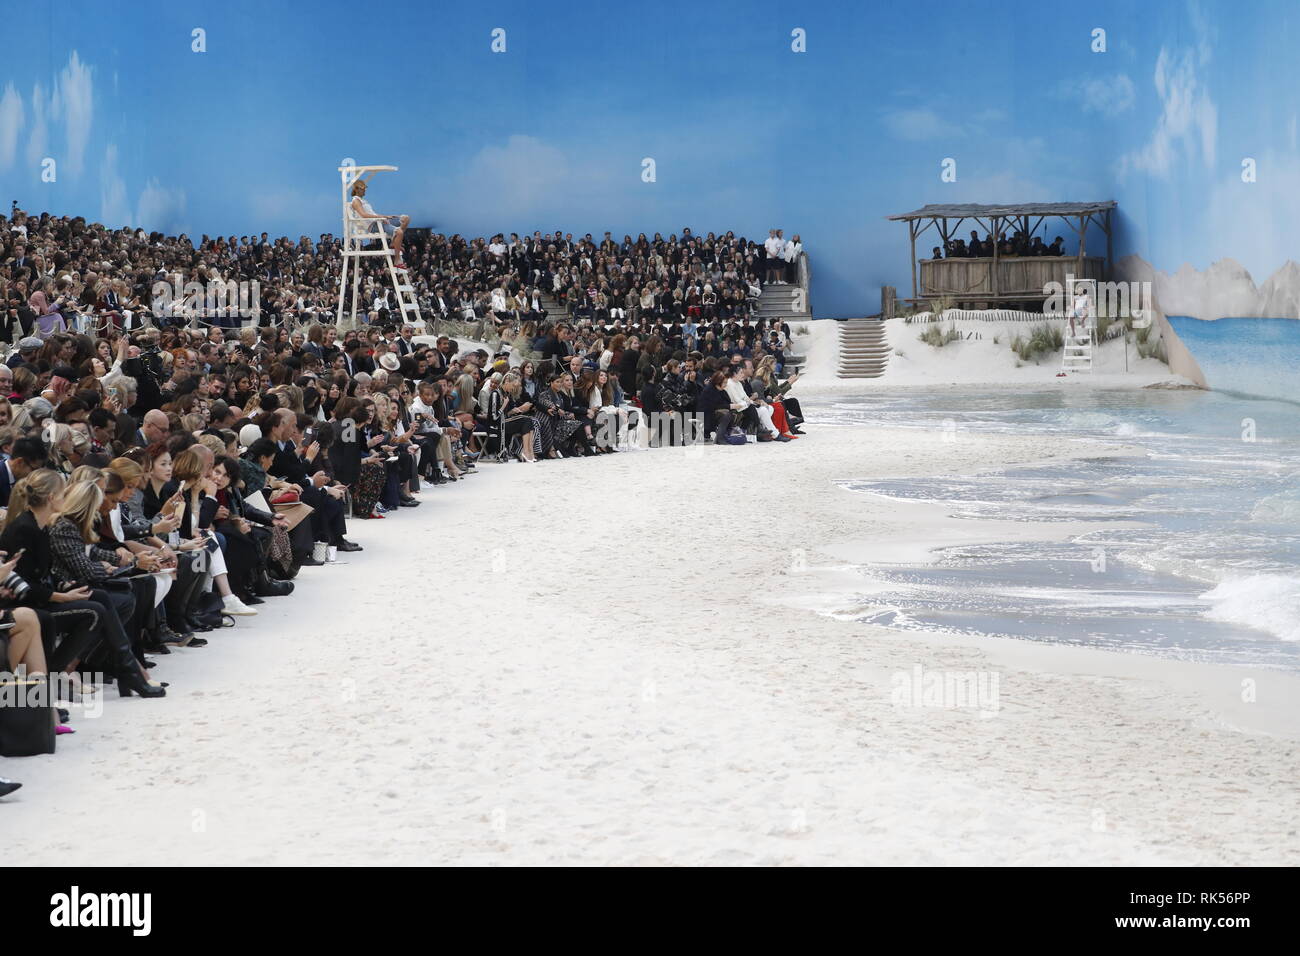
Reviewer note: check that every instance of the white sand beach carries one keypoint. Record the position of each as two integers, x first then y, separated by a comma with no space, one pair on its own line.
637,684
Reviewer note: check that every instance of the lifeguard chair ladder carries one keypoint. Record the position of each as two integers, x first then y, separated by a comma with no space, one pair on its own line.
1077,354
367,237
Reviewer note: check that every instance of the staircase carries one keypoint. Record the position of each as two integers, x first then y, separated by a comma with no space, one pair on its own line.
864,349
554,311
779,302
1077,356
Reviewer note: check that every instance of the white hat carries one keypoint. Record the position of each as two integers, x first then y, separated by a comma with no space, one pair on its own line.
249,434
390,361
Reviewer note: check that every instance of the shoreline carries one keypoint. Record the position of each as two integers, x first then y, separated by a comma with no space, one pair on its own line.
641,696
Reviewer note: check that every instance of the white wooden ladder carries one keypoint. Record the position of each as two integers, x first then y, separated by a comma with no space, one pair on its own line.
367,237
1077,356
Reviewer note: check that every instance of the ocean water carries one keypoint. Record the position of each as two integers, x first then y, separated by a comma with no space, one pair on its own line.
1251,357
1211,573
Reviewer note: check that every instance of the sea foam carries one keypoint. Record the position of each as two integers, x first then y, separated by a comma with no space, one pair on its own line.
1267,602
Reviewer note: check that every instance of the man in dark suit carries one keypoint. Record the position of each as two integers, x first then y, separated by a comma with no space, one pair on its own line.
440,358
22,267
26,456
154,428
327,519
356,359
403,343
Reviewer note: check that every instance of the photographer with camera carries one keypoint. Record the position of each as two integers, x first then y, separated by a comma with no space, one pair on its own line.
144,364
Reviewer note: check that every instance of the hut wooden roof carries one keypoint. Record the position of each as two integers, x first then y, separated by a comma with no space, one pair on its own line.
972,210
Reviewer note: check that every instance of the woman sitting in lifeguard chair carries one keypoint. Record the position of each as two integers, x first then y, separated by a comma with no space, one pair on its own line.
395,226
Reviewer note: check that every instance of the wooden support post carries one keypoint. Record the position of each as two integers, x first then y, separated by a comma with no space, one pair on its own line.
995,285
911,229
1110,247
1083,239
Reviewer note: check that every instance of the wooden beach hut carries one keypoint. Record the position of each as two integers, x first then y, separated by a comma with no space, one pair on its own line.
999,278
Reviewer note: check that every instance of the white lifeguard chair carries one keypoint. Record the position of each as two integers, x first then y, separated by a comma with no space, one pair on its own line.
367,237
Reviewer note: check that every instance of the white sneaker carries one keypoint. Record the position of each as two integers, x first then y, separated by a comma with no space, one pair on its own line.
232,605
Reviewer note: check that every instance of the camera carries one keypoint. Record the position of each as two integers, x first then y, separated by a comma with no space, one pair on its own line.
17,585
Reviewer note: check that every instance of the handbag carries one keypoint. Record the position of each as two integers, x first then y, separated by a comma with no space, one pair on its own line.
287,497
27,718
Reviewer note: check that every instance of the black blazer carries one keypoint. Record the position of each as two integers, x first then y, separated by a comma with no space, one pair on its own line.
710,401
6,484
289,467
239,508
37,561
553,348
151,502
207,508
651,402
345,456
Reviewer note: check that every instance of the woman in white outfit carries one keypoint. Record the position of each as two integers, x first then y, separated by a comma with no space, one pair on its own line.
395,226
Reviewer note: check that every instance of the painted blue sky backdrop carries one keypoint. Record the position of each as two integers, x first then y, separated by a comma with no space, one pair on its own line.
744,132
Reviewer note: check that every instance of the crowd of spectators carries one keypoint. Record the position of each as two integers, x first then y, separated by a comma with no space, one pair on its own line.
53,268
159,481
1019,243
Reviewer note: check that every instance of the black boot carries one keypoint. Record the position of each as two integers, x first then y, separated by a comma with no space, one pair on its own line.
133,682
263,586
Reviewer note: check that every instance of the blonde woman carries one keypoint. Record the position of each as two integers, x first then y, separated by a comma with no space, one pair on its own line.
371,222
397,439
290,397
84,616
517,417
466,405
78,559
786,413
63,457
